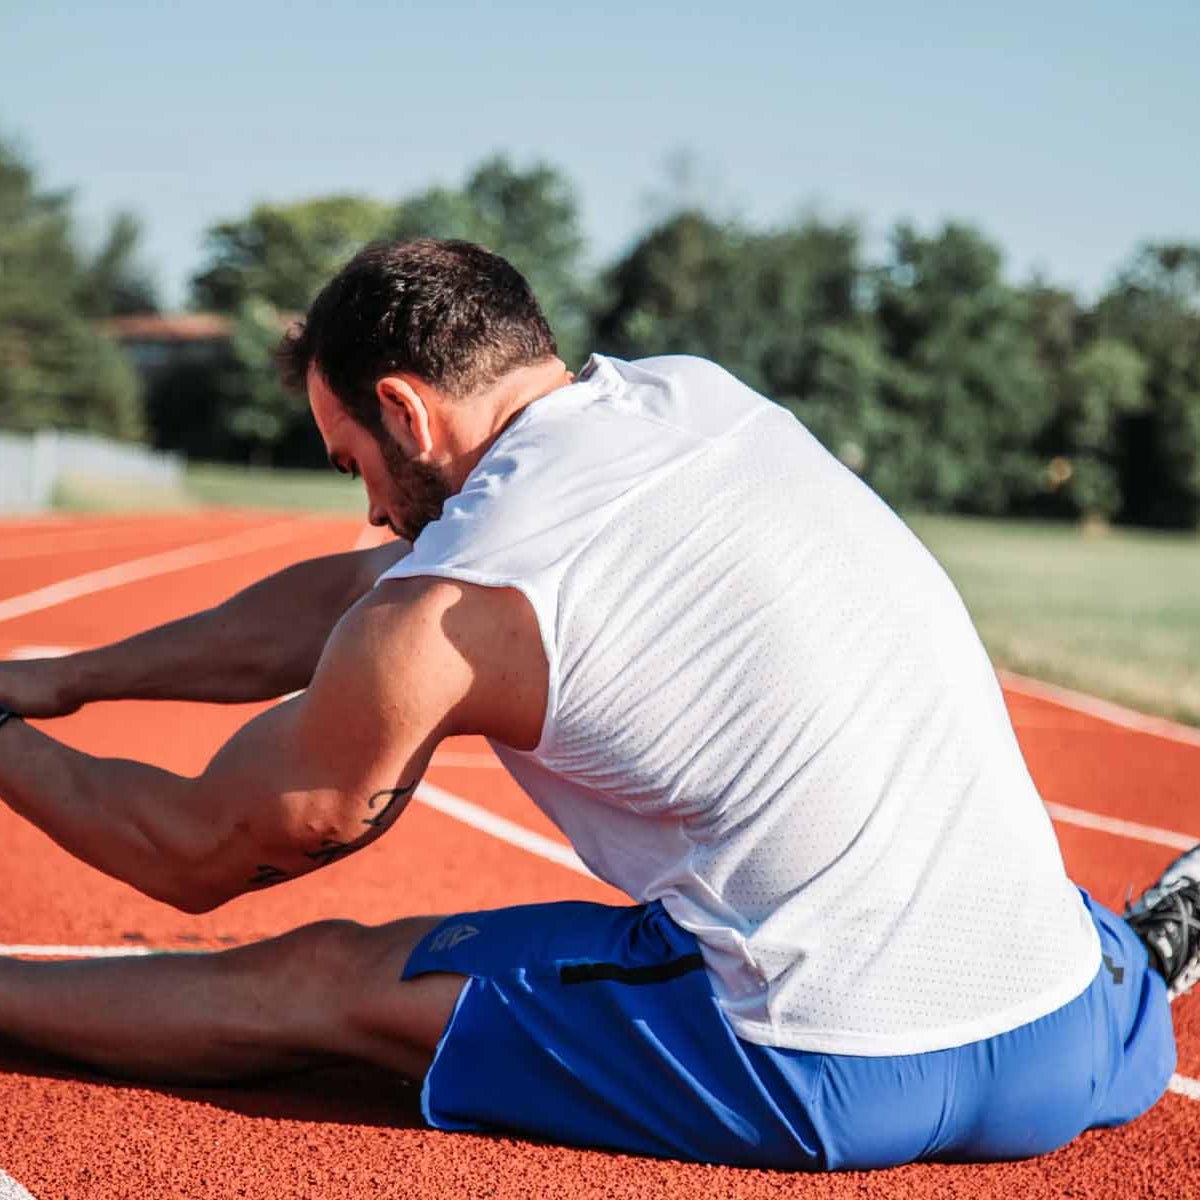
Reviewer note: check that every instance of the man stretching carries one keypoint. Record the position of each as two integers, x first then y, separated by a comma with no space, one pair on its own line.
726,670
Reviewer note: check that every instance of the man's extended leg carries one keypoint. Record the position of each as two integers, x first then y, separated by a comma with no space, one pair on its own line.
309,997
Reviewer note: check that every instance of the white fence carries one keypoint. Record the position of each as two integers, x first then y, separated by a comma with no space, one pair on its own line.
31,465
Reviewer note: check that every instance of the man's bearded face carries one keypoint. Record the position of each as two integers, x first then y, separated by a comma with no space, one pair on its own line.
419,490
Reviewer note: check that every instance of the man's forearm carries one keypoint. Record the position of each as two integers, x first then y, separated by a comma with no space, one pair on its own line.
261,643
119,816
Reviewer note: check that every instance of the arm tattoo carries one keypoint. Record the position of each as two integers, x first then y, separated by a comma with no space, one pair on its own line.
330,851
397,799
394,801
266,875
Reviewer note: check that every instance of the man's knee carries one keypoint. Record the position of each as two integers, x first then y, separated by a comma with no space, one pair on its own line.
336,951
303,963
400,1019
343,982
336,957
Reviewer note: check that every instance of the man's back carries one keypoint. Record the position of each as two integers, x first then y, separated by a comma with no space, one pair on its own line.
768,708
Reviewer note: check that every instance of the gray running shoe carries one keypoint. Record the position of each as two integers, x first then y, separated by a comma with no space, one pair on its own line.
1167,919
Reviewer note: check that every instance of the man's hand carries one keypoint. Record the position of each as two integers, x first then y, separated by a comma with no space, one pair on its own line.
37,687
313,779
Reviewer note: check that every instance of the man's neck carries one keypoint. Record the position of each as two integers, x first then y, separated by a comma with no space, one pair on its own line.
484,416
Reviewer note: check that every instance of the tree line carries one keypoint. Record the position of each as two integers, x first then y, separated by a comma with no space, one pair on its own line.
947,387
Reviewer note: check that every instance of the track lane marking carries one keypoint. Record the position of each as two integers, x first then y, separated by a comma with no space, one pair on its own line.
10,1189
107,578
370,537
500,827
23,951
74,540
468,759
1102,710
1127,829
1181,1085
35,651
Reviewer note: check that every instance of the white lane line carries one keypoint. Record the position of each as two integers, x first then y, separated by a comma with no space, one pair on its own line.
36,651
500,827
1181,1085
455,758
77,951
369,538
1103,710
146,568
67,541
10,1189
1129,829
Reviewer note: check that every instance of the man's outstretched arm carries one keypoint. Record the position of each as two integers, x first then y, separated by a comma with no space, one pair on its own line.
312,779
262,642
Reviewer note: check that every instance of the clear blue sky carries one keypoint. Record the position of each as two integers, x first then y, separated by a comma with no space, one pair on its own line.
1068,131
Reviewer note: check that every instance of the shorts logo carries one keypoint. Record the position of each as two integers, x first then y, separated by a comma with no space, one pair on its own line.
452,936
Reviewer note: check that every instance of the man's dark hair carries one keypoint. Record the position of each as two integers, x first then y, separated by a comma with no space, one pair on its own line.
449,312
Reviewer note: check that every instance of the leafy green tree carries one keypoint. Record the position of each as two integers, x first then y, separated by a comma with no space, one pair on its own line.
963,380
229,405
273,424
661,297
284,254
1154,307
1105,386
1093,383
113,283
259,269
531,218
845,411
57,370
758,303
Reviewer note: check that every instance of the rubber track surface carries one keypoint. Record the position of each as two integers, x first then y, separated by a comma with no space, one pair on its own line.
357,1133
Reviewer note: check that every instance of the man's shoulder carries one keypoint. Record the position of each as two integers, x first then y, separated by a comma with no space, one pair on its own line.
404,606
478,648
658,370
695,396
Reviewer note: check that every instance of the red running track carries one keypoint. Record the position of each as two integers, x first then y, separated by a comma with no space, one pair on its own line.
357,1133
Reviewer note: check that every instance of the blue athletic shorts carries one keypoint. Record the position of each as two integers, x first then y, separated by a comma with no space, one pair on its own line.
592,1025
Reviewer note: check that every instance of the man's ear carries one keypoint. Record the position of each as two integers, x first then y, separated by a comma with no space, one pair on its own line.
405,413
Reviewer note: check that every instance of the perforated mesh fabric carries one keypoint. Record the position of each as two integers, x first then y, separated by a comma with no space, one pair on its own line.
770,710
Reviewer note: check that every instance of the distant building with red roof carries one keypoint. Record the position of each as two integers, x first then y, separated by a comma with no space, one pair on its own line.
157,341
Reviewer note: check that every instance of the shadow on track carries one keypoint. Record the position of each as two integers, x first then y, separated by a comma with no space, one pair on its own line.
342,1095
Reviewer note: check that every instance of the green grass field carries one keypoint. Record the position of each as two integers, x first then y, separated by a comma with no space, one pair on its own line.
1114,612
246,487
218,484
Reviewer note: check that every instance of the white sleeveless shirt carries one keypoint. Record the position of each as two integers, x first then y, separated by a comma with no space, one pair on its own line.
768,709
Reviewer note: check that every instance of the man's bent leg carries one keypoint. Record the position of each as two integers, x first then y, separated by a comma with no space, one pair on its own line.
301,1000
